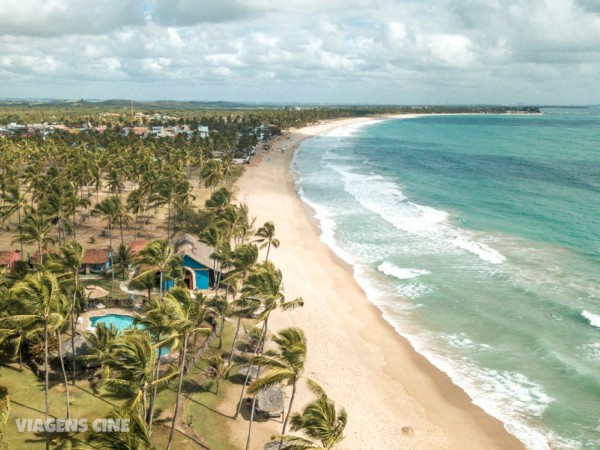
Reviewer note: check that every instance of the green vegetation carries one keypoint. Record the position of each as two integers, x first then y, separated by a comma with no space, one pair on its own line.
64,191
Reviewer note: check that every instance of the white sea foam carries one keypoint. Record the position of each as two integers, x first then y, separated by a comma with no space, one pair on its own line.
592,351
594,319
349,130
461,340
414,290
388,268
328,227
384,198
509,396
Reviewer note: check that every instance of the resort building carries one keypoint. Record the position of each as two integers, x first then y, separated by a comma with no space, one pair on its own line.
95,261
199,272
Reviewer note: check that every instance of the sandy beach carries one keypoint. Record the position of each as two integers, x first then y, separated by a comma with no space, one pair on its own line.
394,397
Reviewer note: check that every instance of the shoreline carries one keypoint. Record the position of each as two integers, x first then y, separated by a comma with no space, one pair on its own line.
394,396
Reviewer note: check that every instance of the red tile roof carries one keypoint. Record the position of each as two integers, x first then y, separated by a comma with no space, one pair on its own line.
36,255
137,246
9,257
95,256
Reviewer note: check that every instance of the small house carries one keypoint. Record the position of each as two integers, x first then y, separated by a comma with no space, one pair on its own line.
199,272
95,261
203,131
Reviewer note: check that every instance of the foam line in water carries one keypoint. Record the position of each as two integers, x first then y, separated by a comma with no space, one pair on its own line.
388,268
349,130
594,319
384,198
508,396
327,225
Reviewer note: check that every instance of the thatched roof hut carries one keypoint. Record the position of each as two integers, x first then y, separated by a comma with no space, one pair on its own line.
247,368
94,292
270,401
81,346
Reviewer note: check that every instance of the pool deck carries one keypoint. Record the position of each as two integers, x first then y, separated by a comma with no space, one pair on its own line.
85,324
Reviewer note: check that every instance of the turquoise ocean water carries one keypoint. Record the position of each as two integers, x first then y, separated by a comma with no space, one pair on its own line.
479,239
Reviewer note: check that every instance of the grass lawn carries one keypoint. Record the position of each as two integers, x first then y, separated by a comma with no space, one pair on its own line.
26,393
198,403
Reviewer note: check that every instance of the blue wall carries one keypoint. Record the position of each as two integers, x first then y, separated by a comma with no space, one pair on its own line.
200,270
201,273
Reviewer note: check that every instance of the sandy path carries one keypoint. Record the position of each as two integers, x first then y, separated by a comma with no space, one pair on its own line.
394,397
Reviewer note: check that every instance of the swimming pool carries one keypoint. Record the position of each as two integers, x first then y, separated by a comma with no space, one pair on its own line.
121,323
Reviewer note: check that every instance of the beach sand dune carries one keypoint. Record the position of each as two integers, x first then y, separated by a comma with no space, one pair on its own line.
394,397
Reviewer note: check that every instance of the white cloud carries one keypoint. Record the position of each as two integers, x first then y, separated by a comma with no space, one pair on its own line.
313,50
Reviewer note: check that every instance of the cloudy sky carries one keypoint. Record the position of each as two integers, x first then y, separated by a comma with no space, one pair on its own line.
341,51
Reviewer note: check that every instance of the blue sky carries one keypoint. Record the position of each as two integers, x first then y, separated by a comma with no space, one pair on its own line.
333,51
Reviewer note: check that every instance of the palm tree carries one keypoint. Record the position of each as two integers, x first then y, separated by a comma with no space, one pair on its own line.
124,257
133,360
59,203
70,260
262,294
181,312
243,260
217,369
121,216
108,210
44,306
218,200
144,282
264,288
101,344
212,173
285,365
266,237
213,237
136,438
156,322
158,254
136,203
14,202
36,228
320,421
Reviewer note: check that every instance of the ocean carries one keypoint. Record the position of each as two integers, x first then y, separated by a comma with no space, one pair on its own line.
478,236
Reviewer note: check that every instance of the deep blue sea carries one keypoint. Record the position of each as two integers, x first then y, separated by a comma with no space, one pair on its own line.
478,236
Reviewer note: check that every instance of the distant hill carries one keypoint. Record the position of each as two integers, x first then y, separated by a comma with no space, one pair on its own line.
123,104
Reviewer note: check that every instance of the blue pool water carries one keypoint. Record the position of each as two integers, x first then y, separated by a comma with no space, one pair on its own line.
121,323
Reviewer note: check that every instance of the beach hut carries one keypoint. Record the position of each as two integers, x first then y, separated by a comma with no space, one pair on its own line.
93,292
269,402
249,371
95,261
81,346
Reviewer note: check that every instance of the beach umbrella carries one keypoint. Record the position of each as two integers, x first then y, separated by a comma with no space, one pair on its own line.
94,292
270,401
243,370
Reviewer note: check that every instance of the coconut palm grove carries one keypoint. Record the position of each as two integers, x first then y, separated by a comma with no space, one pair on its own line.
103,212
